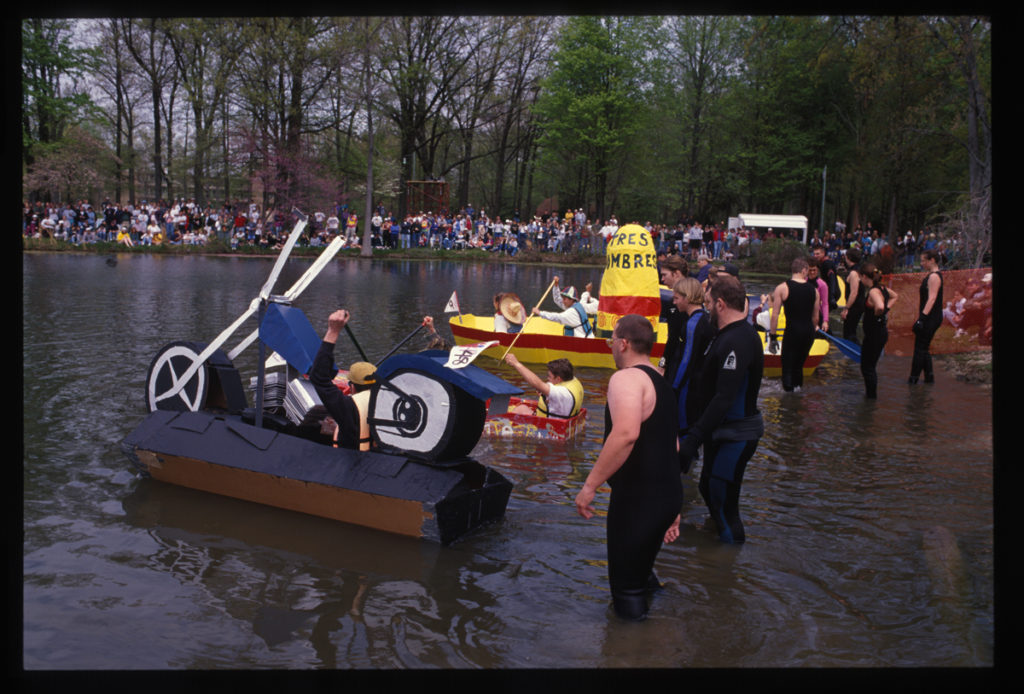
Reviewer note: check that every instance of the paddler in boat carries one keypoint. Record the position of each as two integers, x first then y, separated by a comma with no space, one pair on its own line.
560,396
434,340
342,408
361,376
573,317
509,314
590,303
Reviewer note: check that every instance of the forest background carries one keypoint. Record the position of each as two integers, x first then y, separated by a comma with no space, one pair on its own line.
881,120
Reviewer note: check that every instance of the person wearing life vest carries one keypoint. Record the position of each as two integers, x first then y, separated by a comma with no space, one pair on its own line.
361,376
573,317
560,396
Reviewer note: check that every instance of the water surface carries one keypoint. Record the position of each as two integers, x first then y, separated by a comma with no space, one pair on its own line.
869,524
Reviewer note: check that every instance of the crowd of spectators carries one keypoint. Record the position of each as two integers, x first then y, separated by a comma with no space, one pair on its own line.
183,222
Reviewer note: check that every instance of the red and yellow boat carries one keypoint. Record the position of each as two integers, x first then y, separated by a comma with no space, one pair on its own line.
773,362
542,341
532,426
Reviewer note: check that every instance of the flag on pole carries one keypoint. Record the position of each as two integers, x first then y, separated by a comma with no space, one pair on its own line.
453,304
465,354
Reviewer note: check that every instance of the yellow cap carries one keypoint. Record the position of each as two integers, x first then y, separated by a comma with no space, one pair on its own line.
362,373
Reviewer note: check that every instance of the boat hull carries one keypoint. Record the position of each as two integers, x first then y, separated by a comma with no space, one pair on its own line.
542,342
531,426
773,362
222,454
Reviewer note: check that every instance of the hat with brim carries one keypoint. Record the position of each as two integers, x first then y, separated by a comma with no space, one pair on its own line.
512,308
362,373
569,293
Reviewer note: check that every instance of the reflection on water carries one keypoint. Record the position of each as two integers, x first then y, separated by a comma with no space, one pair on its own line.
870,524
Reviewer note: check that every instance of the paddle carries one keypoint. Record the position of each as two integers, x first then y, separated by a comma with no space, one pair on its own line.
407,338
847,347
553,283
356,342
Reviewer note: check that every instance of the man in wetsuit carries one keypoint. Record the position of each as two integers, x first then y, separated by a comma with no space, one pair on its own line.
730,424
341,407
801,302
638,461
827,273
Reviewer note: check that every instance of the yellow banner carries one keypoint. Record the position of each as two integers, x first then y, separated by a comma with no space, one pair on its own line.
630,280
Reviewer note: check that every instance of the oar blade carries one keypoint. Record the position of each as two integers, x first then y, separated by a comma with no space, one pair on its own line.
848,348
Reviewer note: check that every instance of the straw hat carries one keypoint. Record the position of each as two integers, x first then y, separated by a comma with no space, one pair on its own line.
512,308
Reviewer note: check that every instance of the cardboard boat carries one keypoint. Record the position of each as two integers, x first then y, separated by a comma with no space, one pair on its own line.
510,424
542,341
425,419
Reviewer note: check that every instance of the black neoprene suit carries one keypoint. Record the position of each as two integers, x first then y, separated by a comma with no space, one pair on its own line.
727,390
646,497
876,334
930,322
799,334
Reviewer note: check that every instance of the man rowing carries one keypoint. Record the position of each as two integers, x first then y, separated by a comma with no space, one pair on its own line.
573,316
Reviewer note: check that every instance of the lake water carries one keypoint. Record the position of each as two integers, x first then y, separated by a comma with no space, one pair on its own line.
870,525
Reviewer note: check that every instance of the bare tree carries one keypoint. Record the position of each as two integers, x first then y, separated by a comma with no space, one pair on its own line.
205,52
149,47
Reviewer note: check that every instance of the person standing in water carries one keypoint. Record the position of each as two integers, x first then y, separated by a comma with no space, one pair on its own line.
929,318
802,303
638,461
730,424
851,315
878,300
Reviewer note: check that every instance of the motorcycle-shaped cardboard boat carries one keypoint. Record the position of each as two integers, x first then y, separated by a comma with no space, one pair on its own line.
425,418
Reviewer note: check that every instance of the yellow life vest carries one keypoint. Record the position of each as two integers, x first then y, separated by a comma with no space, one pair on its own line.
575,388
362,401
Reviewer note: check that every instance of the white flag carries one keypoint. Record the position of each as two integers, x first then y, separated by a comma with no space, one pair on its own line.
453,304
461,356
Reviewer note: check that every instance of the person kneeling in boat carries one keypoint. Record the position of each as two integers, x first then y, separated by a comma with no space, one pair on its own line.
560,396
342,408
574,317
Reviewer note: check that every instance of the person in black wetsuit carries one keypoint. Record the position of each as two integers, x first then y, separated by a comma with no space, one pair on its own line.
692,339
671,270
801,302
638,461
730,425
341,407
854,296
827,272
876,333
929,318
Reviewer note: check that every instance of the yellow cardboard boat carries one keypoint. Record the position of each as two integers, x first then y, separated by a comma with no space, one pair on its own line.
542,341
